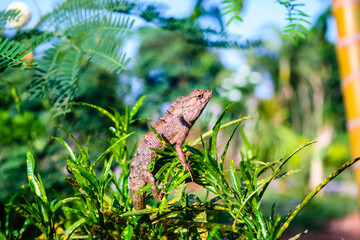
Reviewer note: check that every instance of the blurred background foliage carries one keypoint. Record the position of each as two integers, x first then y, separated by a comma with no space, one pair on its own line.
293,89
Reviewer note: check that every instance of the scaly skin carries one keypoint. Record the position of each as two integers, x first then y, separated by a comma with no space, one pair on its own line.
173,127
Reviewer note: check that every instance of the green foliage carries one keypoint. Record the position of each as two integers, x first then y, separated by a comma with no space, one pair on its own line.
21,128
101,204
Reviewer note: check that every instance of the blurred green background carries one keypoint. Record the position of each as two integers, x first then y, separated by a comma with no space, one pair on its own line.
294,92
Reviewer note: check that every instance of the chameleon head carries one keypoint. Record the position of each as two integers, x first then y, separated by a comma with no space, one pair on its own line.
194,104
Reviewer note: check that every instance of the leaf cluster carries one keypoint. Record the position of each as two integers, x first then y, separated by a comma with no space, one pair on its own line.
73,44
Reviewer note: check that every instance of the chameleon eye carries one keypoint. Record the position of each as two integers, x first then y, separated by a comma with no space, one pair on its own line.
200,95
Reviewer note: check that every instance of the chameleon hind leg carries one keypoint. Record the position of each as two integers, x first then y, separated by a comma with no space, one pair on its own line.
138,199
158,195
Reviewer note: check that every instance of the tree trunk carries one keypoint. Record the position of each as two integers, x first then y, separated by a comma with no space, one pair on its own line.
347,14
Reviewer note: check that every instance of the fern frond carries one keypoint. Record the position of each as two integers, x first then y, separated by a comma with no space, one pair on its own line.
108,25
65,82
82,28
42,81
59,81
105,54
36,37
10,54
78,17
297,19
232,7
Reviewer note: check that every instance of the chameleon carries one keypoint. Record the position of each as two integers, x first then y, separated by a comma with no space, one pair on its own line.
173,127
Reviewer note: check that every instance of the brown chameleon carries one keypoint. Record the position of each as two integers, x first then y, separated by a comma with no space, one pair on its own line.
173,127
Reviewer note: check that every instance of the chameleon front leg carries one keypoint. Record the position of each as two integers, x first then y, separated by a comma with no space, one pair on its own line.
181,154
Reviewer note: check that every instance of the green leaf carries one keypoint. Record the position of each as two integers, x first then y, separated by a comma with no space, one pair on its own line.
193,150
234,178
83,152
67,147
208,133
64,201
260,220
83,183
248,150
101,110
213,140
108,150
127,233
233,18
162,153
92,180
136,107
144,189
106,170
70,230
214,233
34,182
74,211
223,155
298,235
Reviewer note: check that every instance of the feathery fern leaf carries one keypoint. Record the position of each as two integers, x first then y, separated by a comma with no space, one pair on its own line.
10,54
107,25
44,77
105,54
69,7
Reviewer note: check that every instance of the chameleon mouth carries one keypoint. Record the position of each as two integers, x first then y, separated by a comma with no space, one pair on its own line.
208,94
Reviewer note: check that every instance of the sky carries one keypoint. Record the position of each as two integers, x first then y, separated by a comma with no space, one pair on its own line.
257,14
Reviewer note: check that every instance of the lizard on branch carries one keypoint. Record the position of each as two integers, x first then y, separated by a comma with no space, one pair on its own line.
173,127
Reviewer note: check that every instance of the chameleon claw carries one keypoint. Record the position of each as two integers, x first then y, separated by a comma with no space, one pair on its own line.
187,167
163,189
